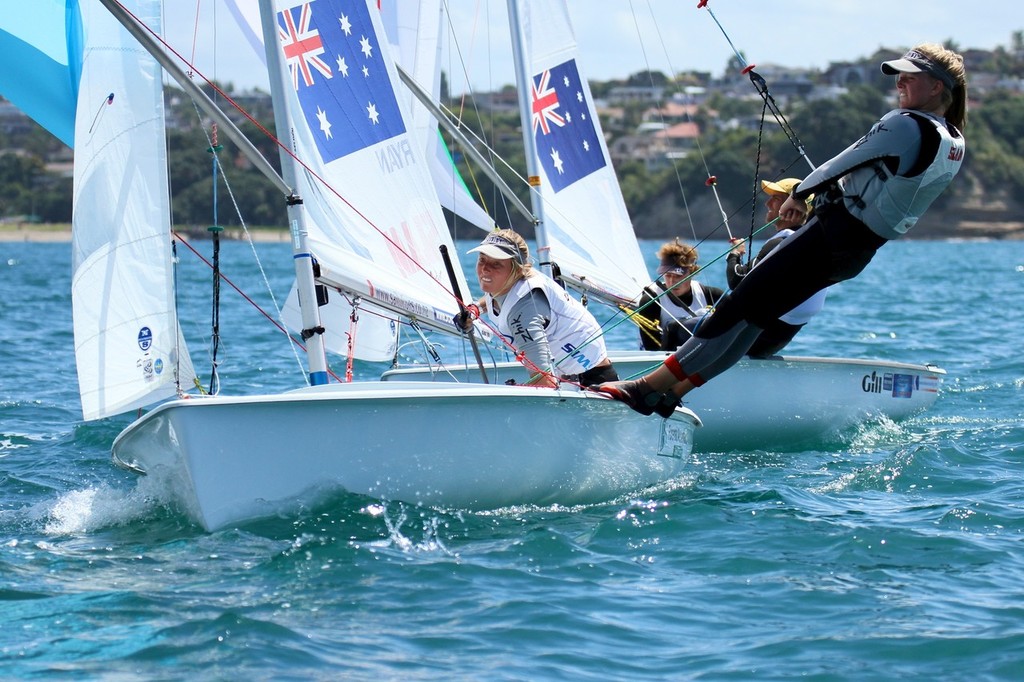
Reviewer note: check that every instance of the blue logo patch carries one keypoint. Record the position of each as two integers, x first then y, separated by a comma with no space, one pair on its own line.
145,338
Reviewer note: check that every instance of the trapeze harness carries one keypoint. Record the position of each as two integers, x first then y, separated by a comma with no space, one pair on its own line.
872,192
888,203
574,337
671,311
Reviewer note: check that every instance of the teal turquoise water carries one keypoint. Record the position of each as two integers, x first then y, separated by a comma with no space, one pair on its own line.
896,554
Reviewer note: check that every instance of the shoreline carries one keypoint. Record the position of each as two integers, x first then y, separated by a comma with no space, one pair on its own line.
43,234
969,231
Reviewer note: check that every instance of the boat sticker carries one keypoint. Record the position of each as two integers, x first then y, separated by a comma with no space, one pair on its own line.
158,366
675,439
894,384
901,385
145,338
147,369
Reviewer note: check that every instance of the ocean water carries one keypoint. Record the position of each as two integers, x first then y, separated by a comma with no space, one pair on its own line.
895,555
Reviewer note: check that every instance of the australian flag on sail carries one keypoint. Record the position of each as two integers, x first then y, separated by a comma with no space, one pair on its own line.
340,76
567,142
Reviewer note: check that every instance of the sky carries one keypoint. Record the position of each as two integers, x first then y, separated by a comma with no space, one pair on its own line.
677,36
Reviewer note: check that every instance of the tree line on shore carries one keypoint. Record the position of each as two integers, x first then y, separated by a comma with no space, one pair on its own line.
663,202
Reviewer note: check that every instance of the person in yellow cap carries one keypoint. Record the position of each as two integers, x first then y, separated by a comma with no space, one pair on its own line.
677,299
777,333
868,194
558,336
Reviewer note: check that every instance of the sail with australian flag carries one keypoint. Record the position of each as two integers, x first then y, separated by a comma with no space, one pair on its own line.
585,227
373,215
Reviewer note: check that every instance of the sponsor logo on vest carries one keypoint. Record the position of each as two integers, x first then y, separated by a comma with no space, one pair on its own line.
577,355
956,154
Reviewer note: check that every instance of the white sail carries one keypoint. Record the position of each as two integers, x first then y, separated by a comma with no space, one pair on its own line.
349,134
585,222
127,343
413,28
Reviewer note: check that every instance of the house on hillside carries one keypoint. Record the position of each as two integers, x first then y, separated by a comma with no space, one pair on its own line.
635,94
671,112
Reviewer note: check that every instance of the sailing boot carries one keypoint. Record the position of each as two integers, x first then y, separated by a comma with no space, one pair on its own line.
636,394
667,405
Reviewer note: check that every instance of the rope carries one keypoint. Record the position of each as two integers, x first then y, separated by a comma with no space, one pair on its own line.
245,296
630,314
215,229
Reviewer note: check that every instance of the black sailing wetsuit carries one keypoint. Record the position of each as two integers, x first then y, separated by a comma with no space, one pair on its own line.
917,151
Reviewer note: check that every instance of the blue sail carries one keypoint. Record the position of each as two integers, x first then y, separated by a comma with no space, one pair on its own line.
42,47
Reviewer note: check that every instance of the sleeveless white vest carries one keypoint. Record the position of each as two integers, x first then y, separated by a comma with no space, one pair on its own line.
571,324
670,311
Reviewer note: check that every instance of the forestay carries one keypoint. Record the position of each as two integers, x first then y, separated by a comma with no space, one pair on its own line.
127,342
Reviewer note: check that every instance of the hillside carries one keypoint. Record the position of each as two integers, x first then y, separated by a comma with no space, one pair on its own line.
662,178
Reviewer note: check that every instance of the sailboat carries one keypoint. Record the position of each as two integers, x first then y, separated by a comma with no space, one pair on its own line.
584,227
228,459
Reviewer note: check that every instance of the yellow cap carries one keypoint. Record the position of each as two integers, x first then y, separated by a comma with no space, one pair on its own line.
784,186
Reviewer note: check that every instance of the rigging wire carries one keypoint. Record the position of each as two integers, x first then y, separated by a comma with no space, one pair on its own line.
762,88
252,246
711,180
497,197
215,229
650,75
195,37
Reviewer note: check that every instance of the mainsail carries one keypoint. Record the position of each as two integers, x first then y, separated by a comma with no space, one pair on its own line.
585,222
128,346
377,337
413,28
346,125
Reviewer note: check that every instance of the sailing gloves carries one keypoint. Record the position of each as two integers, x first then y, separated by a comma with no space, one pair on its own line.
464,319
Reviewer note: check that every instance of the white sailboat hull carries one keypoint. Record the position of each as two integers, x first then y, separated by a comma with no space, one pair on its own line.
774,403
464,446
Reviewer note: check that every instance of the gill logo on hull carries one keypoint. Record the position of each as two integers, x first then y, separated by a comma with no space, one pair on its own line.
895,384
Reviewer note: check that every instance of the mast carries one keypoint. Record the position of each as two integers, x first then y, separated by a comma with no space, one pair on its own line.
529,142
312,330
